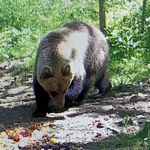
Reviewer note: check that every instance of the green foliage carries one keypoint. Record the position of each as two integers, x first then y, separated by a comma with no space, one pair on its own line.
143,136
129,47
16,44
42,16
127,71
24,22
127,120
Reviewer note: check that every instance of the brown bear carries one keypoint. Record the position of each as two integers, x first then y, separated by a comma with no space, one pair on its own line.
69,61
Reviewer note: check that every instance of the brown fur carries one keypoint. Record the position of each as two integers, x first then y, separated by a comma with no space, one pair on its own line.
69,61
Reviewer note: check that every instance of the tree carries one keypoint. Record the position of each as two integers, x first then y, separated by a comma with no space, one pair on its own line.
102,20
143,15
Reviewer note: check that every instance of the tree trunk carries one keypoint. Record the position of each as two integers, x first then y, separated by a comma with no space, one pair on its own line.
143,15
102,17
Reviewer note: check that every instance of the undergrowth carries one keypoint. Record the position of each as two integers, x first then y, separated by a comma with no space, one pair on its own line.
23,23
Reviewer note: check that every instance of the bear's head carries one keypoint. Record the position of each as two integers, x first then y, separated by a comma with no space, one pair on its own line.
56,81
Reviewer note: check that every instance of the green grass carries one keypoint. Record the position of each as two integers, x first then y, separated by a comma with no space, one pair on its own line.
128,71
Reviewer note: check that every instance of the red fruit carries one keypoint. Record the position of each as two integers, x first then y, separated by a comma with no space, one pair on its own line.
23,134
45,135
16,139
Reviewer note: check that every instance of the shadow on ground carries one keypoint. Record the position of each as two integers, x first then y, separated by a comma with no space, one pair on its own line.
118,102
17,116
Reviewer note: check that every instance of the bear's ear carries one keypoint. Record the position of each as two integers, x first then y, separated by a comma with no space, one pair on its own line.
66,71
46,72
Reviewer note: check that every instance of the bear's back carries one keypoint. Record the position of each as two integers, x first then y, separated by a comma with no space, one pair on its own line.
77,43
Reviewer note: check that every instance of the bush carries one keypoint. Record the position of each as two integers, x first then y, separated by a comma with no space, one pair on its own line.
129,48
24,22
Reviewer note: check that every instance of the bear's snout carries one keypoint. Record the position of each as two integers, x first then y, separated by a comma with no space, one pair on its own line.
59,101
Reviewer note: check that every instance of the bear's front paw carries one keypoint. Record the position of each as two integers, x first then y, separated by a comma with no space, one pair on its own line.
38,114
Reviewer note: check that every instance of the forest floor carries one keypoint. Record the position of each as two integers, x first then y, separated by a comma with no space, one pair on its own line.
121,113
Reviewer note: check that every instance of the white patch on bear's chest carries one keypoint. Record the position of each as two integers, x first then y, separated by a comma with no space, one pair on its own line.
74,48
77,43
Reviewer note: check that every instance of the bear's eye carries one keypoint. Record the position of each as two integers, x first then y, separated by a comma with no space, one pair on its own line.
66,71
54,94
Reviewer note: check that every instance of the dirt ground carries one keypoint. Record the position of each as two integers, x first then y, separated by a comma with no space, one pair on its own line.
122,111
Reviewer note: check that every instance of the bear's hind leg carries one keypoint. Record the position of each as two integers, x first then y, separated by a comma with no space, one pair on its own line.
42,100
103,85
